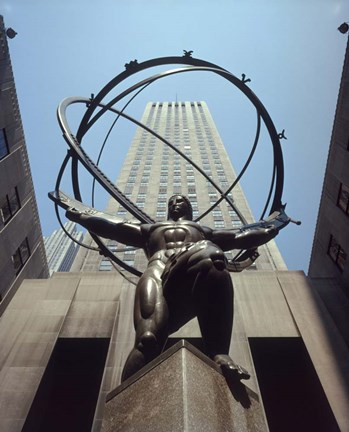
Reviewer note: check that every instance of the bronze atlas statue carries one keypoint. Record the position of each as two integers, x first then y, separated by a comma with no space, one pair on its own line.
187,273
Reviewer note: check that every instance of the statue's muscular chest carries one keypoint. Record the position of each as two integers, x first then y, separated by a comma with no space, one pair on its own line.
174,235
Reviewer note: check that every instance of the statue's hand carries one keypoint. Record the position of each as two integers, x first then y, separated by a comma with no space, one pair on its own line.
271,231
73,214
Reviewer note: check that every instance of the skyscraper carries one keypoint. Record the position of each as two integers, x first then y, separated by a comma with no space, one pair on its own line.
61,249
22,252
152,172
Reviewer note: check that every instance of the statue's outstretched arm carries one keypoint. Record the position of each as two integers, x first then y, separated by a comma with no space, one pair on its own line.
108,226
251,236
242,238
99,223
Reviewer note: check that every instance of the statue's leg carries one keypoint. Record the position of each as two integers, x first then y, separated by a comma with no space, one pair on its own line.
199,278
214,299
214,296
150,320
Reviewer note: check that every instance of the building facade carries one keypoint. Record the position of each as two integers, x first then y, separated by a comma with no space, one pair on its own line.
62,249
330,253
22,253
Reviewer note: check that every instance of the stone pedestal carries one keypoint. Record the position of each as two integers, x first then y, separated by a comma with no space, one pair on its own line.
182,390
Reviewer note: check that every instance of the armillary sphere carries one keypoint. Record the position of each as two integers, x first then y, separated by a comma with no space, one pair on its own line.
98,105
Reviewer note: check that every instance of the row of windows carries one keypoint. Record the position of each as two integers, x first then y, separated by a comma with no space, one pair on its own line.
176,104
106,265
177,143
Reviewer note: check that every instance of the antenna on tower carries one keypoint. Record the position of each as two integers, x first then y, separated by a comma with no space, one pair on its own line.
176,98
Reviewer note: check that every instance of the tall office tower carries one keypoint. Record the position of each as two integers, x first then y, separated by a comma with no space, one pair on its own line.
152,172
61,249
330,254
22,252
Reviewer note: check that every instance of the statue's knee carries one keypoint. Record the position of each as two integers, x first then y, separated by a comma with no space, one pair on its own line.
147,342
216,257
218,260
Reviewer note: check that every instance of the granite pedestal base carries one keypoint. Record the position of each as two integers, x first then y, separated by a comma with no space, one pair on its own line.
182,390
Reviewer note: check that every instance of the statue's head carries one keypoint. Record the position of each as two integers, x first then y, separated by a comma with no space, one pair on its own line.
179,207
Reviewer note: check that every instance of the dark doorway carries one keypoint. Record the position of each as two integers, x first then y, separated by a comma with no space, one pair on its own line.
67,395
293,397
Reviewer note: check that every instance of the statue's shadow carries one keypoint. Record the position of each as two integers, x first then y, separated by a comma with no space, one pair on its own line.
237,388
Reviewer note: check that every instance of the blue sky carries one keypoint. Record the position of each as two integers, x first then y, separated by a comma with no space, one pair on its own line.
291,50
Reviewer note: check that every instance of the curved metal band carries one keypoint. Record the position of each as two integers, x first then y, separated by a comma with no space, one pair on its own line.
78,154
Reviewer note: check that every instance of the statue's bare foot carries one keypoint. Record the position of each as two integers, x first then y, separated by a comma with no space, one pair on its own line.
230,367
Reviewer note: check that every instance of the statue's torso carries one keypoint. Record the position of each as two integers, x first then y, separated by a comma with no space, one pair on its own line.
168,237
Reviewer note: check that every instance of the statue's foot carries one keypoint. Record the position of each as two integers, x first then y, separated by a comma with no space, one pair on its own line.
229,367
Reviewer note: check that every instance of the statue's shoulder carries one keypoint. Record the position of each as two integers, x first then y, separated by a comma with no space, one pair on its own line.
195,225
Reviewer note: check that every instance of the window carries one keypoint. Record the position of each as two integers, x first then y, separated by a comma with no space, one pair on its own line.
160,213
343,198
219,224
4,149
217,212
9,206
21,256
336,253
105,265
128,253
236,223
113,247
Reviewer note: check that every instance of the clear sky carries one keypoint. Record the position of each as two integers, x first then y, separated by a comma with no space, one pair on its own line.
291,50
